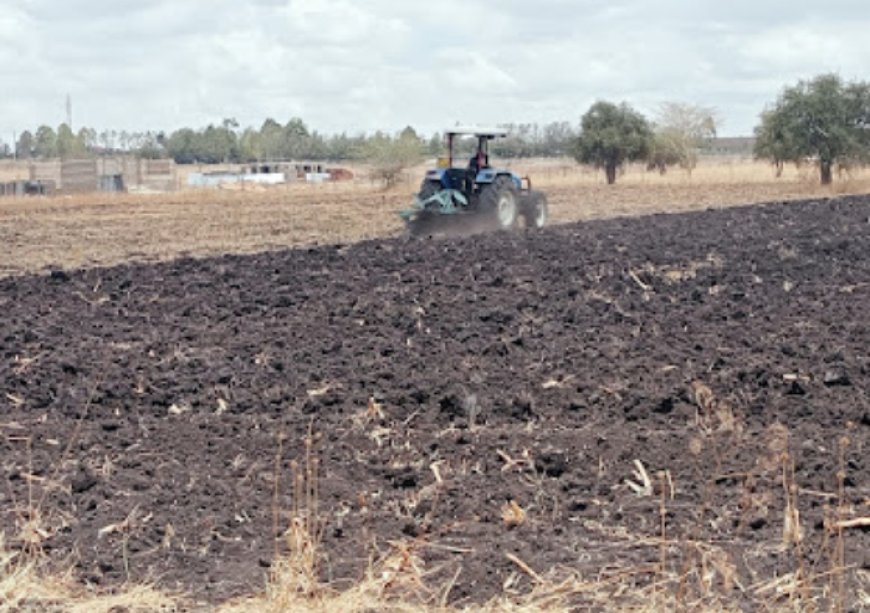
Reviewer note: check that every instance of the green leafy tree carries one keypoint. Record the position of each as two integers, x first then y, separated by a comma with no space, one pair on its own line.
45,142
391,156
217,144
666,149
409,133
271,139
68,144
823,120
24,146
612,135
250,146
344,147
773,141
182,146
296,139
316,147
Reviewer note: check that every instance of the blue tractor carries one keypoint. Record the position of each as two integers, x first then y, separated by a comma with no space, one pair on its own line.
474,194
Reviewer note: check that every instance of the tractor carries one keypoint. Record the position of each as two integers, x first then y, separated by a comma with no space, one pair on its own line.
475,194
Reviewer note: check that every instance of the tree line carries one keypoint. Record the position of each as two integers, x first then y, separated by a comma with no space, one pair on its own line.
823,121
228,143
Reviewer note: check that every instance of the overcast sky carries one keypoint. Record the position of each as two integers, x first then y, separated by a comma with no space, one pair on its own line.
360,65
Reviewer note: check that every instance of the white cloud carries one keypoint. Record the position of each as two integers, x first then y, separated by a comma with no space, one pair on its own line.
361,65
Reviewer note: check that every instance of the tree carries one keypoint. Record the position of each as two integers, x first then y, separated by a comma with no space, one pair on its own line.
107,141
68,144
344,147
250,146
391,156
435,144
124,138
823,120
557,139
45,143
773,141
612,135
296,139
88,138
271,139
316,147
668,149
217,144
681,130
409,133
150,146
24,146
181,146
520,141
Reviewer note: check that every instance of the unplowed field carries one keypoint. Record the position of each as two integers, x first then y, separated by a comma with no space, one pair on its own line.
476,401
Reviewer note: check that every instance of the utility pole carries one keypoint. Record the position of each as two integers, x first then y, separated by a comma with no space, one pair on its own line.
69,112
14,146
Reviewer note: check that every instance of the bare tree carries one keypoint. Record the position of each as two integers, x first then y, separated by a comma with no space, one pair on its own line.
681,131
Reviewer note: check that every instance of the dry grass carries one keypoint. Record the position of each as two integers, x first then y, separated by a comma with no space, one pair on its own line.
690,575
104,229
26,586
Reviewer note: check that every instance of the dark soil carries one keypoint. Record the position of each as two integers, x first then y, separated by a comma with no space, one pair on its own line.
159,393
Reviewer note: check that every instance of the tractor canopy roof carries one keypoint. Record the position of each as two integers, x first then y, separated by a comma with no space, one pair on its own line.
485,132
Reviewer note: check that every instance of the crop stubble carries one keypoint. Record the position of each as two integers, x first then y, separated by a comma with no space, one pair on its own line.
454,384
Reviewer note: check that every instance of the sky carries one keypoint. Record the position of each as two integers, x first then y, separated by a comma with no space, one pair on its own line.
362,65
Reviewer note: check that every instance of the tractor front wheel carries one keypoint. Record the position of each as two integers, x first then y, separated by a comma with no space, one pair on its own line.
498,201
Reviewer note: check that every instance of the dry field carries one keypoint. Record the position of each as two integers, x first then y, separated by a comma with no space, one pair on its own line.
666,414
103,229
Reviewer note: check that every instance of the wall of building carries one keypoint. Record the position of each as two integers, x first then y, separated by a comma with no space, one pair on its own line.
94,174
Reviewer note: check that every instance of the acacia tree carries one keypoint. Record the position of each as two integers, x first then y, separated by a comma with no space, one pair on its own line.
823,120
612,135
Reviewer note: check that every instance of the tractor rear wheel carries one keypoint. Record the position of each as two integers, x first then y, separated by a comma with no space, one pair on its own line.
498,201
535,210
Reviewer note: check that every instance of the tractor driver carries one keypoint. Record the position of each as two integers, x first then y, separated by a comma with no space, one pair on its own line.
478,160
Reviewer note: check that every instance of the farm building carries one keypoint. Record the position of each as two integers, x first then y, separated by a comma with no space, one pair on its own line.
105,174
270,173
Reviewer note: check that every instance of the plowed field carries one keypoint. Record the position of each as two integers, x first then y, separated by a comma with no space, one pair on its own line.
467,399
